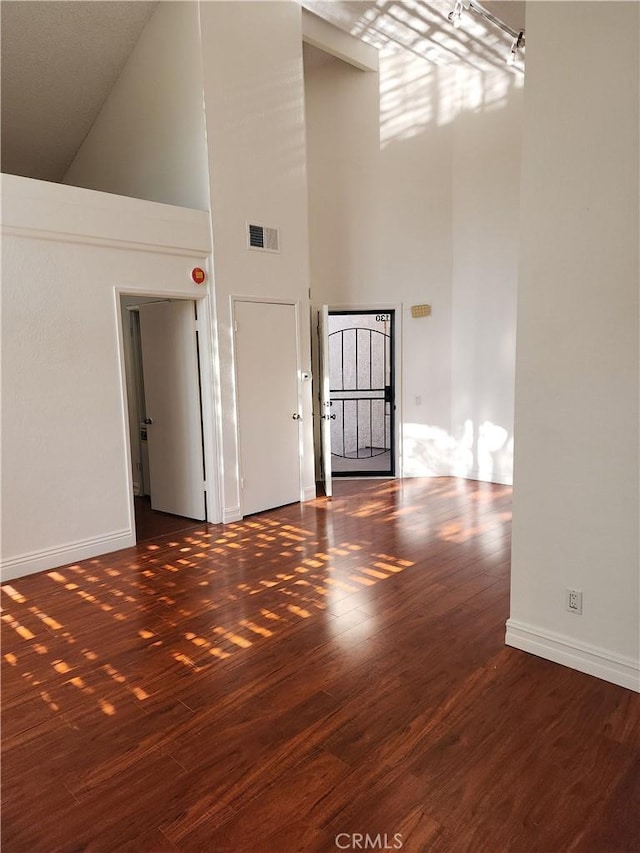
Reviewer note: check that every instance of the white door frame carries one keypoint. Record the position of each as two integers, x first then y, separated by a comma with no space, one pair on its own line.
383,307
134,351
324,388
266,301
211,423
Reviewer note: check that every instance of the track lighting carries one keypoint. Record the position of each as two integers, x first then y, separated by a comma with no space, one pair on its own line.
455,18
517,43
455,15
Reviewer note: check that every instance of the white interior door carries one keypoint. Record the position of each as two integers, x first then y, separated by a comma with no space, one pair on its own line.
172,396
266,352
325,398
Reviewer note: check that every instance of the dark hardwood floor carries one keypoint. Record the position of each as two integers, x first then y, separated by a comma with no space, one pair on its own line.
151,524
279,684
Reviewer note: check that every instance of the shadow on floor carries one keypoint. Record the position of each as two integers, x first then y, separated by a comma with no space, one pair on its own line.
151,524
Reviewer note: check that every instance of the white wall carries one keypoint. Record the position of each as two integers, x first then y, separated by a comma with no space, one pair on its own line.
149,138
576,504
65,477
487,138
253,86
379,226
413,178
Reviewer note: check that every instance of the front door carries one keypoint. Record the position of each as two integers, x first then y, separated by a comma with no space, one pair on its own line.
361,371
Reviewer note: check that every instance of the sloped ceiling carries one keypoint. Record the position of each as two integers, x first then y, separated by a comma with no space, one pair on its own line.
60,60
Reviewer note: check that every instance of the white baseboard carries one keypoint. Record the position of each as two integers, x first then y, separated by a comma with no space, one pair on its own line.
60,555
231,513
566,650
309,493
474,474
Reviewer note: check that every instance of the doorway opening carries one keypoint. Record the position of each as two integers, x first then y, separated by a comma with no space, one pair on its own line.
164,397
361,347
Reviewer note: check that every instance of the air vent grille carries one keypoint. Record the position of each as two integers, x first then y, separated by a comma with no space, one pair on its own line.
263,238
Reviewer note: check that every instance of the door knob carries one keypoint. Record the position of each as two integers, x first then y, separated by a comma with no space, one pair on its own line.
296,416
147,421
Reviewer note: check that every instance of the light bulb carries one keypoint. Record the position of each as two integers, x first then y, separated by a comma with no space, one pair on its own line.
517,42
455,16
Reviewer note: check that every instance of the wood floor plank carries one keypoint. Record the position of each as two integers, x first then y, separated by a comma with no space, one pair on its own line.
390,808
323,668
299,793
114,815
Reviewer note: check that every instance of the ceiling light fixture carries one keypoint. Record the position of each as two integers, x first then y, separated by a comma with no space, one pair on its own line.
517,43
455,17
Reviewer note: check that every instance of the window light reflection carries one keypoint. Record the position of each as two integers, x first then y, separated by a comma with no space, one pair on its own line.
182,604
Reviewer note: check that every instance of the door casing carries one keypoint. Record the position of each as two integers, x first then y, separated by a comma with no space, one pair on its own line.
211,421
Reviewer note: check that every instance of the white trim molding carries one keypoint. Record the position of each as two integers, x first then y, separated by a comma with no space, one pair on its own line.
309,493
108,242
593,660
500,479
43,210
60,555
231,513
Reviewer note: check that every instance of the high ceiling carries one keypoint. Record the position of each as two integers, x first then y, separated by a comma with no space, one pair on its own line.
61,58
424,28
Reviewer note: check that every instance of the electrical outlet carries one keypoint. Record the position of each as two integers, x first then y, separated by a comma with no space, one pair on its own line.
574,601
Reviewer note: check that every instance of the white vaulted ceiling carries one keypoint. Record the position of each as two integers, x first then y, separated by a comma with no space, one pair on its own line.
60,60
